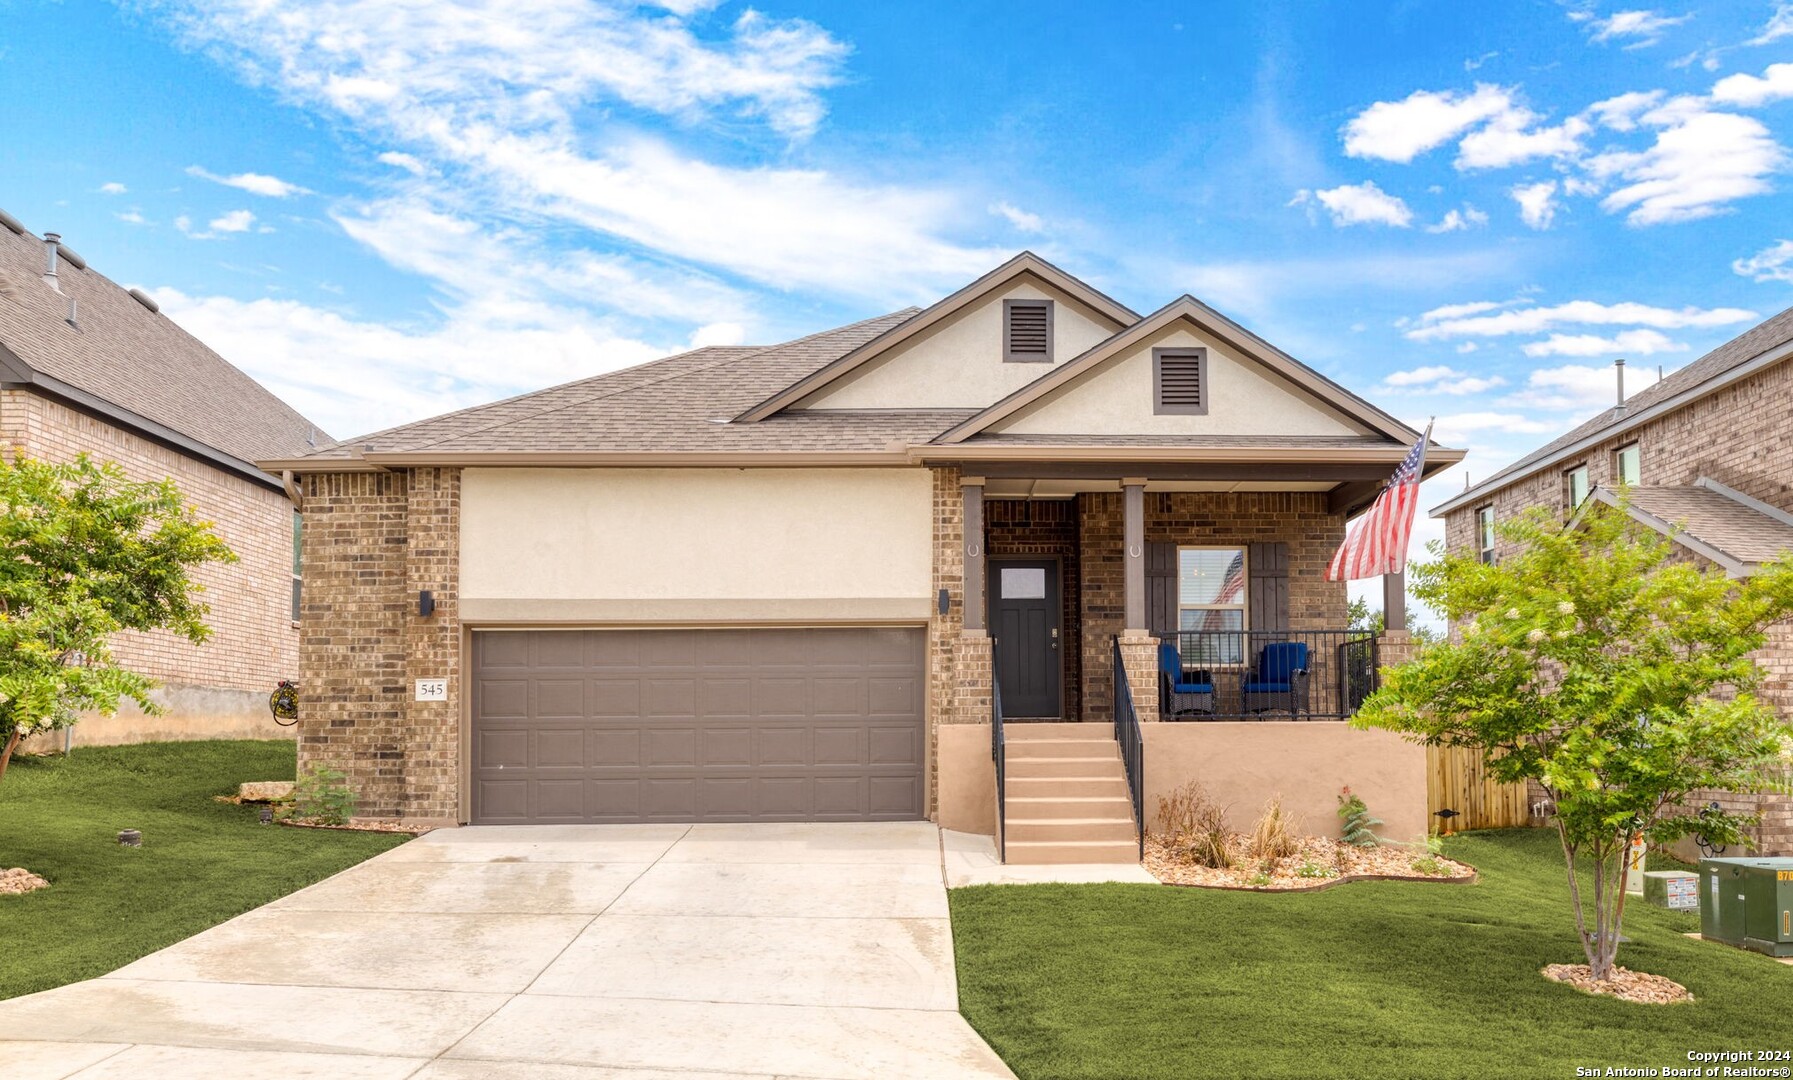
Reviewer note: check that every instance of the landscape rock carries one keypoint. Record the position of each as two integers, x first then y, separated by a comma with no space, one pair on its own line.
265,791
20,880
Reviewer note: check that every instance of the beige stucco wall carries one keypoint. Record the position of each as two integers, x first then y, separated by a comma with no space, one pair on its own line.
958,364
967,779
692,544
1306,762
1117,398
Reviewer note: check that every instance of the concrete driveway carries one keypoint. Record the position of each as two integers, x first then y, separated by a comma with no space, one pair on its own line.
623,952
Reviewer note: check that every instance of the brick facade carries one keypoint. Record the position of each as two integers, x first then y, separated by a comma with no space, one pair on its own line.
372,541
219,688
1738,436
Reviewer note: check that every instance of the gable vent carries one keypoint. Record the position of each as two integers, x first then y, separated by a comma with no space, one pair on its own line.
1181,376
1027,331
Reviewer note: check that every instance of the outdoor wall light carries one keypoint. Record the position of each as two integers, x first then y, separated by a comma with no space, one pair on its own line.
946,601
426,603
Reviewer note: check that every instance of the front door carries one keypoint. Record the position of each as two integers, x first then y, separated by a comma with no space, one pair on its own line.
1024,619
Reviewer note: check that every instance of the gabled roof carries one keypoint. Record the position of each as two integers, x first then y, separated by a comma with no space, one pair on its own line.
1214,323
1766,343
133,364
1733,530
1026,263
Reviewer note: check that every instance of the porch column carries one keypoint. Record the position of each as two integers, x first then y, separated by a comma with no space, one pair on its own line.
1394,601
972,488
1133,555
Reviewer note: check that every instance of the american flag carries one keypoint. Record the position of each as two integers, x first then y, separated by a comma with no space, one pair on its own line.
1377,543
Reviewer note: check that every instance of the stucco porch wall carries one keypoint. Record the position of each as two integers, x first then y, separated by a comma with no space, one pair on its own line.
1242,765
966,786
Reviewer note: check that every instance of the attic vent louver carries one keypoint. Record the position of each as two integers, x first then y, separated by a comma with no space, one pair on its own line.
12,223
1027,331
144,298
1180,378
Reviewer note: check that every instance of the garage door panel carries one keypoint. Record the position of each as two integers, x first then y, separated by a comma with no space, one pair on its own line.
698,725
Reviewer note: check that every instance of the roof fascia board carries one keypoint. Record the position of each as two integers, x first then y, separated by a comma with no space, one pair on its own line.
95,405
1636,419
625,459
1760,507
1392,455
1207,319
1026,262
1734,566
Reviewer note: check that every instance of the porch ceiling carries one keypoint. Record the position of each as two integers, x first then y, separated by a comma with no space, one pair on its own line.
1062,488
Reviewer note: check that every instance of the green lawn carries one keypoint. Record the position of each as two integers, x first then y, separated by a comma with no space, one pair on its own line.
1365,980
201,861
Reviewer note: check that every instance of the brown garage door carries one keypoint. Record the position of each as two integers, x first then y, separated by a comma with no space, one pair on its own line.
817,724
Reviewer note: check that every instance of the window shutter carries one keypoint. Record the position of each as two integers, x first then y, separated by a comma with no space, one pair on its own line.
1181,380
1268,592
1161,589
1027,333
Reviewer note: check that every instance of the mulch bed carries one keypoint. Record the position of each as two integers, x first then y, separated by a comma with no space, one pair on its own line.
20,880
1339,864
1634,986
365,825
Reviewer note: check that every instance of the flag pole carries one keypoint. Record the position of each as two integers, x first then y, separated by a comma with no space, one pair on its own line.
1394,586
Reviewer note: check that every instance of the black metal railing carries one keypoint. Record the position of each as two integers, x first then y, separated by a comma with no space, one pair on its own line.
1132,744
1270,675
999,753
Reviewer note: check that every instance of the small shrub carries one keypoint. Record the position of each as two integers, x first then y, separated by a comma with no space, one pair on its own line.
1258,880
1311,869
321,796
1430,865
1273,837
1355,821
1193,826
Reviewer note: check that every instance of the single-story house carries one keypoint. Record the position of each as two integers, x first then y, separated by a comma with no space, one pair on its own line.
88,366
1705,457
774,583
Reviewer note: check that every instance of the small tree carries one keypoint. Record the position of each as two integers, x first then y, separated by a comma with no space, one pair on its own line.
88,553
1617,679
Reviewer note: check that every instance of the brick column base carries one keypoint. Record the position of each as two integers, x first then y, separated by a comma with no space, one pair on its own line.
1395,647
972,667
1139,653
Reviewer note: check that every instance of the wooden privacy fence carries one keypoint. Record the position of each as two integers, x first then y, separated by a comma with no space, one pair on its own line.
1456,780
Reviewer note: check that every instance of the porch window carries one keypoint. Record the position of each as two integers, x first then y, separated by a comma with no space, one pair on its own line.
1211,604
1484,533
1628,465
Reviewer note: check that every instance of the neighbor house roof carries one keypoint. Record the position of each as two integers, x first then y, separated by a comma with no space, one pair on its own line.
1728,527
1769,342
121,358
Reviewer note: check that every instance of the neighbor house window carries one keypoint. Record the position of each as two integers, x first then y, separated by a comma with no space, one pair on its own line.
1027,331
1180,381
1211,604
1578,485
1484,533
1628,465
297,572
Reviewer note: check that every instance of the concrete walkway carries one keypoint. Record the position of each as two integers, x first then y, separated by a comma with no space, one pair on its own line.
706,952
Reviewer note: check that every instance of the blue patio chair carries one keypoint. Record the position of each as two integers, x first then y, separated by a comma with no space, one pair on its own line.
1279,682
1182,693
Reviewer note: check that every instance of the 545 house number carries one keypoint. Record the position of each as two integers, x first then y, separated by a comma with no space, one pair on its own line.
432,689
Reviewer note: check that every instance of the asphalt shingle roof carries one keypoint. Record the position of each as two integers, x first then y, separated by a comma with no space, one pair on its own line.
136,359
1717,520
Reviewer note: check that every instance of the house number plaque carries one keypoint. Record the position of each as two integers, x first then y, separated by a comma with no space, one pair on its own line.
432,689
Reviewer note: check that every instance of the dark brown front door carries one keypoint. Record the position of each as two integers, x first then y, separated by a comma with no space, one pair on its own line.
815,724
1024,619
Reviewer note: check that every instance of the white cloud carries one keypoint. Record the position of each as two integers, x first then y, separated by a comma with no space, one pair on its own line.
1751,91
1440,379
131,217
1458,311
1473,63
1620,113
1580,388
1779,25
1456,426
1637,28
1018,217
113,188
1458,220
1770,264
1362,204
1624,343
254,183
233,221
1425,119
408,162
1700,161
1534,320
1537,203
1467,347
1511,140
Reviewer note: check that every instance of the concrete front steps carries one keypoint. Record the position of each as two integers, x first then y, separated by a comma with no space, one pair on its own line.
1065,796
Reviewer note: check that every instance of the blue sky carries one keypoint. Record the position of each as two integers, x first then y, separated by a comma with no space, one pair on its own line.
387,210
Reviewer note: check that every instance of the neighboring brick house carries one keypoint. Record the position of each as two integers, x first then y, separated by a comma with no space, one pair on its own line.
773,583
1707,456
88,367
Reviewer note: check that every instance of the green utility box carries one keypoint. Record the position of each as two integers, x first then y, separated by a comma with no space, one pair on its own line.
1749,903
1676,889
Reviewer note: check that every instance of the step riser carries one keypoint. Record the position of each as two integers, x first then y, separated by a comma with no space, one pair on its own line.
1043,854
1057,748
1059,731
1029,768
1070,832
1066,787
1031,808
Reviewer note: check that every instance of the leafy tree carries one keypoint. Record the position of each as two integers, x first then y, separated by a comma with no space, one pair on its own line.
1616,677
1362,617
88,553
